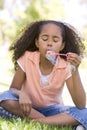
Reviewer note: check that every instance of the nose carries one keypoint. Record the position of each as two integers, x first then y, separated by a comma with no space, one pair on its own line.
49,43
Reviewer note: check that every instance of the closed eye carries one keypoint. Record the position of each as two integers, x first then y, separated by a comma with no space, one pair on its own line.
56,39
44,37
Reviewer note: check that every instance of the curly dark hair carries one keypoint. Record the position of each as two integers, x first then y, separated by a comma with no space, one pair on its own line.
26,42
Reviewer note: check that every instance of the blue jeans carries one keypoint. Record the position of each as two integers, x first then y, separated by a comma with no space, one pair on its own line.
79,114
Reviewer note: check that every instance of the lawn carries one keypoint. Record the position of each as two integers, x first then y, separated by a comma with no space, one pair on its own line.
18,124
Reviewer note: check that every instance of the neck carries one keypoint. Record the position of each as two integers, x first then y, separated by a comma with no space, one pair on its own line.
46,66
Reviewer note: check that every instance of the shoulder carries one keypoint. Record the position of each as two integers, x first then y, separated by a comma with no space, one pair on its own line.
30,55
27,59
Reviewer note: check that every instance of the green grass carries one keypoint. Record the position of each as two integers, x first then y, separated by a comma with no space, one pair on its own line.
18,124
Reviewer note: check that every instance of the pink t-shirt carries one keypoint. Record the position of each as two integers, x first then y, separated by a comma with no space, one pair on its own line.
43,95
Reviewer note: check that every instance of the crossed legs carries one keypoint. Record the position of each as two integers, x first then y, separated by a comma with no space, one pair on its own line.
62,119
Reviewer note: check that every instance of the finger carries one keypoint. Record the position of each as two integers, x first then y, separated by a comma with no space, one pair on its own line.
74,56
75,60
26,108
22,110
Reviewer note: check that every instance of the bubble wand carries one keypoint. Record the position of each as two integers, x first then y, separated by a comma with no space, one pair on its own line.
51,56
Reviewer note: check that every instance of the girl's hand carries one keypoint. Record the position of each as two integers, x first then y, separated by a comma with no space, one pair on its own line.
74,59
25,103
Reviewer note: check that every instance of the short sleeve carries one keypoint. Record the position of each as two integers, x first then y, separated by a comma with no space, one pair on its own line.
22,61
68,71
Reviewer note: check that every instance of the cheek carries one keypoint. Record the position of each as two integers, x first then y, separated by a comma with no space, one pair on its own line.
42,44
58,47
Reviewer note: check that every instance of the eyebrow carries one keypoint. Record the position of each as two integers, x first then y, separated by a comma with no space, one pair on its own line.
44,35
47,35
55,37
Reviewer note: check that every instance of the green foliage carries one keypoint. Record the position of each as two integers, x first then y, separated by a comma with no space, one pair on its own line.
85,43
85,39
1,4
25,124
35,10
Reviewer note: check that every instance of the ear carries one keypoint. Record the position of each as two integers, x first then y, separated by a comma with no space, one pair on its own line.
36,43
62,47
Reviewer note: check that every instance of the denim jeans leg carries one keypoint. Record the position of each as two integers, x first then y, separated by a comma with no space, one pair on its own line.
80,115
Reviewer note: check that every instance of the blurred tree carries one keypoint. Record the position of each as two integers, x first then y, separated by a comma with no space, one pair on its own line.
23,12
38,10
85,38
1,4
84,31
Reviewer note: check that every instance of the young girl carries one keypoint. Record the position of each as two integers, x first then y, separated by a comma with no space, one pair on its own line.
36,89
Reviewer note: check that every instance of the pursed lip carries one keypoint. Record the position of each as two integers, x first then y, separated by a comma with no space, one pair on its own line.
49,50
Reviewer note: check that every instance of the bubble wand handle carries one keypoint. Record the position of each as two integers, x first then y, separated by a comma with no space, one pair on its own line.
60,54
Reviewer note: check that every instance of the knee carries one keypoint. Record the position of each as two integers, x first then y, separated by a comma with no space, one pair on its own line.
9,103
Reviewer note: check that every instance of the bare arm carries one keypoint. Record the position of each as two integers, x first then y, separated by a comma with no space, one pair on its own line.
24,101
74,83
76,90
16,88
17,81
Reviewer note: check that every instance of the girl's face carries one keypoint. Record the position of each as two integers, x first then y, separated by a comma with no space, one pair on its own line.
50,38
